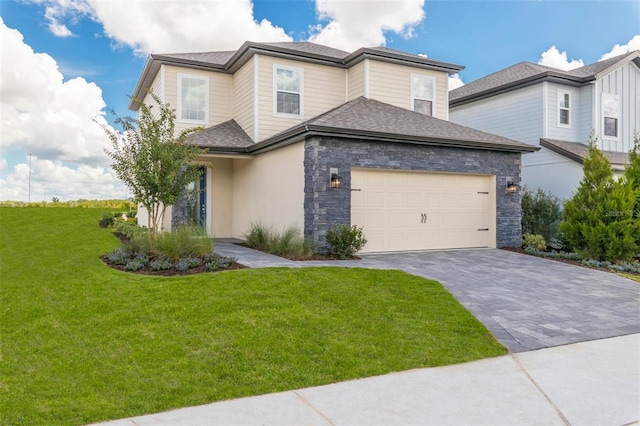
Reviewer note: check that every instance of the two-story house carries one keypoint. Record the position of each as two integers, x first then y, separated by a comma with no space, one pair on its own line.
306,135
557,110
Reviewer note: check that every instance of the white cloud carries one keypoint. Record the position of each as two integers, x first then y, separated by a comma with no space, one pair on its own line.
55,179
44,114
58,29
171,25
455,81
357,23
634,44
556,59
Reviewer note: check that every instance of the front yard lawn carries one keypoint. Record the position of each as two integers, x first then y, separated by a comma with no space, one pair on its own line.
82,342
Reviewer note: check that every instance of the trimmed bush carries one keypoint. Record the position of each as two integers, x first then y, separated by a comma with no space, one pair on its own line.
345,241
534,241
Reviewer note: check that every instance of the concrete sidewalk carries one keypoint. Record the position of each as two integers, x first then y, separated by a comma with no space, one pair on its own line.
590,383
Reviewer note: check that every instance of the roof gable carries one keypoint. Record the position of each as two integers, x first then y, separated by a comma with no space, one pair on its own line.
527,73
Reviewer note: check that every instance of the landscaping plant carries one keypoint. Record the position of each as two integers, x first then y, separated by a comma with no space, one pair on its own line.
345,241
597,220
154,163
534,241
289,243
541,213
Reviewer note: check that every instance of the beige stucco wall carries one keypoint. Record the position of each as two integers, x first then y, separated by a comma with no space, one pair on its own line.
243,96
219,185
269,189
220,92
391,83
323,89
142,218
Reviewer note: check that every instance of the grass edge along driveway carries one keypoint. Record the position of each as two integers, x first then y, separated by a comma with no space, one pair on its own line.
84,343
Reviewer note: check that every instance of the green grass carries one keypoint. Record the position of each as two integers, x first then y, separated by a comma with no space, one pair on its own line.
83,343
632,277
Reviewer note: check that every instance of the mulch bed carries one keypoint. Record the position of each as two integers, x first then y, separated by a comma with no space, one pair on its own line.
171,272
569,261
315,256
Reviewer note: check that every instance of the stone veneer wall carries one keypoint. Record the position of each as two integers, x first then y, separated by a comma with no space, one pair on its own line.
325,207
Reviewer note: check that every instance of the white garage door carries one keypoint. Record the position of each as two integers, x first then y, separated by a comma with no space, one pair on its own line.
405,210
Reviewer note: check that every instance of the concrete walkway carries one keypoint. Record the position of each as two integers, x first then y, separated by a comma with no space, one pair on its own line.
591,383
526,302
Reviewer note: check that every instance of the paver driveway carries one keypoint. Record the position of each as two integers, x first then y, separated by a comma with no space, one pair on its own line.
528,302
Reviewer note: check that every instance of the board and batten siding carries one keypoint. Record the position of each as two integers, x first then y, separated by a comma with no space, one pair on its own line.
323,89
585,113
391,83
625,83
243,97
554,129
220,91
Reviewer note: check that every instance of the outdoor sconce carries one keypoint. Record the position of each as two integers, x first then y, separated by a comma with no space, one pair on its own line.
335,180
511,186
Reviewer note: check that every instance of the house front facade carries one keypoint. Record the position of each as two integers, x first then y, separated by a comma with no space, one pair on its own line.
557,110
299,134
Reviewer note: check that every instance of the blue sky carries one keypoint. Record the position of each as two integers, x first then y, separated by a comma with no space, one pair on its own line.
85,56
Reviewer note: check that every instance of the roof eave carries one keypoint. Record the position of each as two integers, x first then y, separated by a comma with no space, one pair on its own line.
301,132
522,83
368,53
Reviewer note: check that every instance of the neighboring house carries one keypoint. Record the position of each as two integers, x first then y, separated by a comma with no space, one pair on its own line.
557,110
288,122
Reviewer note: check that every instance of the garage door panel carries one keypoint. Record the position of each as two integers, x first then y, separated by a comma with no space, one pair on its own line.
391,206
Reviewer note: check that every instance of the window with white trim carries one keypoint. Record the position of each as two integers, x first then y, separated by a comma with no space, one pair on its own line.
422,93
564,108
193,98
287,91
610,113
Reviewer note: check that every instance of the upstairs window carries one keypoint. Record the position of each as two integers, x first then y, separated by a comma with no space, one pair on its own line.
610,111
422,88
288,98
564,108
193,98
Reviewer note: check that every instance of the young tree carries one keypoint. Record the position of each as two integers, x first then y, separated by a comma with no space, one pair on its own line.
597,222
154,163
632,176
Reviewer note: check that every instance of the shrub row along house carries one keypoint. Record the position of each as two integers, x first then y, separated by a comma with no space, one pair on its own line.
302,134
557,110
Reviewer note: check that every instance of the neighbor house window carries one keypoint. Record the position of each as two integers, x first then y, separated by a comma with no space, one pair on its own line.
564,108
610,111
422,88
288,83
193,98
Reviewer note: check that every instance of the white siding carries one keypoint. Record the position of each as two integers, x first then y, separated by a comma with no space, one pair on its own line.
585,113
625,83
554,129
517,115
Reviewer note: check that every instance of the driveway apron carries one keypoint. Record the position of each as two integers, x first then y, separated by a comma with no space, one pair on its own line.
528,302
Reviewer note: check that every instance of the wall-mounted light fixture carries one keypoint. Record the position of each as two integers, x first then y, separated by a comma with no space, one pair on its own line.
511,186
335,180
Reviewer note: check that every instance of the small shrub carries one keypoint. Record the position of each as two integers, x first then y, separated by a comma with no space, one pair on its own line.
130,230
160,264
119,256
182,265
344,241
535,241
133,265
541,213
107,219
213,264
259,237
227,261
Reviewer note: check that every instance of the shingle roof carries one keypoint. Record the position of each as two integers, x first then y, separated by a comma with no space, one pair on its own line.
577,151
369,119
228,134
524,73
230,61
